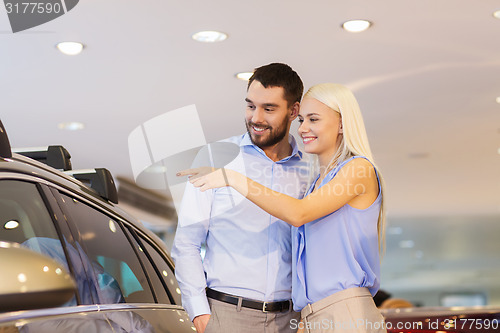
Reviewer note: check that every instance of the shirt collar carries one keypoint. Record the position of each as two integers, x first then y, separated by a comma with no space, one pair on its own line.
246,141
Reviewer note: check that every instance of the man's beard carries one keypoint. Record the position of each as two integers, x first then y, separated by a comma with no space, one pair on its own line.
274,136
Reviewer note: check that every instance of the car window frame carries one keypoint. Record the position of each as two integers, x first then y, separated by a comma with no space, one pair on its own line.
67,230
78,238
62,229
147,261
140,240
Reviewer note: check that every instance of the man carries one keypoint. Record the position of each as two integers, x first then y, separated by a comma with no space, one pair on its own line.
244,282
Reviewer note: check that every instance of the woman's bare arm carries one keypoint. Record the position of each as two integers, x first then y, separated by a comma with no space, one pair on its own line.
355,179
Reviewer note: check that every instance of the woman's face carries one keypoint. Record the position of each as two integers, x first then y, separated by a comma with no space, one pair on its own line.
319,127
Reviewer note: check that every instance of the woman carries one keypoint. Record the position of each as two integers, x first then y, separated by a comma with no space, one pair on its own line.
338,227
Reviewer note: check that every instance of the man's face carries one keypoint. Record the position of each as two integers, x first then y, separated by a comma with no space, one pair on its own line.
267,116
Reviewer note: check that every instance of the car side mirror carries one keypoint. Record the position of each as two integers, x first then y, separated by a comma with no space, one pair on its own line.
31,280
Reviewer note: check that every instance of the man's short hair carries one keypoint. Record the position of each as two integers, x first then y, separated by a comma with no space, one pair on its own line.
280,75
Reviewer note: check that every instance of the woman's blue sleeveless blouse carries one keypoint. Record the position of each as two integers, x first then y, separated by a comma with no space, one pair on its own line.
336,252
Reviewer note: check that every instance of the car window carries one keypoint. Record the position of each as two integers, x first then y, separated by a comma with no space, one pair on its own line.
166,272
118,274
24,219
154,276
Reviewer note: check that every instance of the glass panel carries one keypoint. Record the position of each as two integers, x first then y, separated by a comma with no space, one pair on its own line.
24,219
119,276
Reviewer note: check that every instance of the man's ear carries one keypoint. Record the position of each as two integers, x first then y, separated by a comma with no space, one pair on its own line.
294,110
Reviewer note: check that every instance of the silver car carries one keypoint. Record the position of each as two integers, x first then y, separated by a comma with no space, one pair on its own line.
71,260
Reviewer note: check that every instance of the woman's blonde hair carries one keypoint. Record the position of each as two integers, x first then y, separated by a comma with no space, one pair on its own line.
354,141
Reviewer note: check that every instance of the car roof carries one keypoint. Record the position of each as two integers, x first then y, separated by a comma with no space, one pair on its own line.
17,163
23,165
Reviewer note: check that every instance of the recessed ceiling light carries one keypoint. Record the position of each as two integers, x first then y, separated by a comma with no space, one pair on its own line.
356,25
209,36
497,14
70,48
71,126
12,224
245,76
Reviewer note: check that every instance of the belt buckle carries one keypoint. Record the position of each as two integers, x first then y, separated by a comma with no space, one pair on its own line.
264,307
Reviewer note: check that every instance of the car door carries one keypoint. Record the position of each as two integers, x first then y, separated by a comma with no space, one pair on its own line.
131,290
26,218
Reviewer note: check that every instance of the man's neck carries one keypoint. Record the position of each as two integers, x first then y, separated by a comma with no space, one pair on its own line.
279,151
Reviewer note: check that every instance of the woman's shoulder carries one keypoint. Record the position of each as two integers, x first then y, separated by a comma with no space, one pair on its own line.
359,165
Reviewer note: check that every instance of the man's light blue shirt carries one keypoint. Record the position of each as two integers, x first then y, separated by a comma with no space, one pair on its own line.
248,251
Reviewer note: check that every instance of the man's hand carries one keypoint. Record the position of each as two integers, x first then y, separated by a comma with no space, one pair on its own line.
200,322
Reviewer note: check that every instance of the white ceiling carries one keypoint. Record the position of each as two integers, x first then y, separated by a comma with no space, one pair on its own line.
426,76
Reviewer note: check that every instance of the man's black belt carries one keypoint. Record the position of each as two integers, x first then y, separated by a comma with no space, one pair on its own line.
248,303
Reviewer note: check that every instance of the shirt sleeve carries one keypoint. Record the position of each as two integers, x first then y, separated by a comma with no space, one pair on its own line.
192,230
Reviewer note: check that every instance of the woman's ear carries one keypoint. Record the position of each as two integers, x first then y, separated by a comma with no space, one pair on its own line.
341,130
